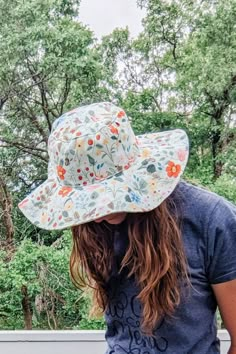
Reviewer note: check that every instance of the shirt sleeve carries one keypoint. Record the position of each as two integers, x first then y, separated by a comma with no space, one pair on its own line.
221,236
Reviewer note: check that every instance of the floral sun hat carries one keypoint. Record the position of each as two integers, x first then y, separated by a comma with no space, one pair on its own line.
97,166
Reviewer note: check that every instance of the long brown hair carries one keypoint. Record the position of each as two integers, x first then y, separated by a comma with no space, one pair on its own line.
155,256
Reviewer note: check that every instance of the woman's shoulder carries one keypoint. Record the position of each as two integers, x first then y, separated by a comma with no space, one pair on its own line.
200,200
209,231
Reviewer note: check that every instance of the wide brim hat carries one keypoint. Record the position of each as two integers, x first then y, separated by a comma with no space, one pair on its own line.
97,166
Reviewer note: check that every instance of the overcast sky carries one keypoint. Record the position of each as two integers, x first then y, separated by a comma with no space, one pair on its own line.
102,16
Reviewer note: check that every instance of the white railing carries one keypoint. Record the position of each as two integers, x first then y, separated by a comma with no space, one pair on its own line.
65,342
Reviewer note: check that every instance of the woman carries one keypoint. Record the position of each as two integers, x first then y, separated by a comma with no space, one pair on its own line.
158,252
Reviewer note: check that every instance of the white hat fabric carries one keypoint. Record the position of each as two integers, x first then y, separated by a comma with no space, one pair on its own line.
99,167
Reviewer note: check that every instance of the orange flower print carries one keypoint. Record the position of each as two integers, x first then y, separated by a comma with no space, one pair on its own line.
105,141
146,153
61,172
68,204
64,191
172,169
113,129
121,114
44,218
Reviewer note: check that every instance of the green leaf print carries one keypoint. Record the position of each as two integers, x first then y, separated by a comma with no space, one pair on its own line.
142,184
118,179
145,162
111,205
91,160
151,168
94,195
127,198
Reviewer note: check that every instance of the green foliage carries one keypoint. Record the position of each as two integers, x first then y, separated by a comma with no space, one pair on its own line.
225,186
86,320
93,323
45,272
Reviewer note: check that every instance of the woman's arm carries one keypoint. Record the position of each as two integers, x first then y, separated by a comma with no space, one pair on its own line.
226,298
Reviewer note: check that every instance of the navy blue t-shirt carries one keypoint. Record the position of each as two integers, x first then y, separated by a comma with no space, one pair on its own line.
209,236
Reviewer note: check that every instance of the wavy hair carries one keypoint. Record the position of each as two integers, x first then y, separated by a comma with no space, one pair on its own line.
155,256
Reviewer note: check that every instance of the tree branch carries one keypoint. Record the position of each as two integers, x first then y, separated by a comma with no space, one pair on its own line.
20,144
66,92
33,118
40,84
26,149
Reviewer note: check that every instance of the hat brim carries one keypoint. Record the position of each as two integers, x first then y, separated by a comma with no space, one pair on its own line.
140,187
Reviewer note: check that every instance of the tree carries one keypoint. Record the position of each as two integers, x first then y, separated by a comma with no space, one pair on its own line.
207,75
48,65
180,72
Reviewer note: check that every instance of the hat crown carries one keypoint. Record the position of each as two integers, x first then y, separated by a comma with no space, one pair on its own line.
91,143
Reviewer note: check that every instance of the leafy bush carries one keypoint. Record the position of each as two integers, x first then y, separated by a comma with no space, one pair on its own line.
44,271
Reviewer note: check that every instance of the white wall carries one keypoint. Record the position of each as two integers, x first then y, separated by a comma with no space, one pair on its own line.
64,342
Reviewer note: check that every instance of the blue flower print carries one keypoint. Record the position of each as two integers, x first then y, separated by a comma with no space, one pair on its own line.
134,197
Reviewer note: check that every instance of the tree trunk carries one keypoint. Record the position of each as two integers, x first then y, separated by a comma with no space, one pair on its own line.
27,311
216,150
6,206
